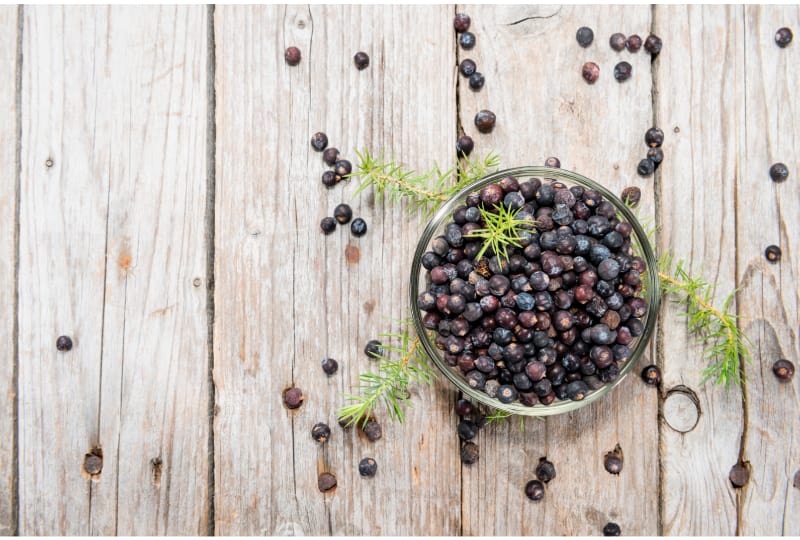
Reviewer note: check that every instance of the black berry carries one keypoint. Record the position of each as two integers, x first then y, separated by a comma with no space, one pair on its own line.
467,430
611,529
373,430
506,394
293,397
461,22
590,72
373,349
326,482
773,253
463,407
656,155
783,37
631,195
343,213
467,40
651,375
367,467
469,453
545,470
585,36
534,490
292,56
329,179
476,80
321,432
617,41
328,225
319,141
783,369
64,343
358,227
467,67
342,168
552,161
633,43
654,137
361,60
652,44
646,167
485,120
613,461
622,71
778,172
329,366
464,145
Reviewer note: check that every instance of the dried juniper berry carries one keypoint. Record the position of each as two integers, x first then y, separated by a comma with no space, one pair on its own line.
293,397
292,56
783,37
319,141
373,349
778,172
622,71
361,60
654,137
464,407
611,529
321,432
633,43
613,461
584,36
652,44
329,366
326,482
506,394
343,213
342,168
328,225
469,453
330,156
358,227
554,162
534,490
373,430
773,253
590,72
577,390
467,430
485,121
646,167
467,40
783,370
367,467
617,41
545,470
461,22
464,145
467,67
656,155
329,179
652,375
476,80
64,343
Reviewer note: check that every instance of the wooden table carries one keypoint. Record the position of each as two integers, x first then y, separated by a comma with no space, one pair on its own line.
160,202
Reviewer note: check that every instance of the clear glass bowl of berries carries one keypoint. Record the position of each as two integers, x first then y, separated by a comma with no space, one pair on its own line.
534,290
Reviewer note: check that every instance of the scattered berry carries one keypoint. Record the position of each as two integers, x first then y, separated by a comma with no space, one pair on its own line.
656,155
319,141
467,67
611,529
585,36
342,168
367,467
783,369
631,195
464,145
652,44
633,43
329,179
292,56
545,470
461,22
783,37
321,432
343,213
372,430
476,80
293,397
654,137
590,72
361,60
652,375
778,172
358,227
467,430
64,343
485,120
646,167
467,40
373,349
617,41
613,461
463,407
773,253
739,475
469,453
328,225
534,490
326,482
622,71
329,366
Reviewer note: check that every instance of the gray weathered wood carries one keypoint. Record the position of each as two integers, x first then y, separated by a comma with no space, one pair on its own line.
286,296
768,301
532,65
700,107
112,238
8,212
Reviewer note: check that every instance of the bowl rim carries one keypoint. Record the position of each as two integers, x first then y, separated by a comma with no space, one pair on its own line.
653,295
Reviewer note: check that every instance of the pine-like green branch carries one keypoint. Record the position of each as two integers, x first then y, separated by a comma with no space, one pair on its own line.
502,229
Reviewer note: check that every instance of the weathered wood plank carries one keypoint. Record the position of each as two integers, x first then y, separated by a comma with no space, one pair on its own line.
700,107
767,214
112,244
8,279
532,65
286,296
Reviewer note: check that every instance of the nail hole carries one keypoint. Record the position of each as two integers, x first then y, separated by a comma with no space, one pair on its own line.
681,409
156,464
197,282
740,474
48,162
93,461
676,129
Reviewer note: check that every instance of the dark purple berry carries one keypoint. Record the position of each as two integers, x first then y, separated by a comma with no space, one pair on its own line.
467,430
545,470
653,44
783,369
467,40
534,490
326,482
646,167
656,155
552,162
329,366
584,36
485,121
321,432
367,467
319,141
329,179
328,225
783,37
330,156
654,137
373,349
611,529
293,397
652,375
464,145
617,41
506,394
633,43
343,213
773,253
778,172
372,430
461,22
358,227
613,461
292,56
469,453
463,407
64,343
622,71
342,168
476,80
467,67
590,72
577,390
361,60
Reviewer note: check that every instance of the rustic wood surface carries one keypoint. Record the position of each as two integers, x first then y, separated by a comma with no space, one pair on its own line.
168,221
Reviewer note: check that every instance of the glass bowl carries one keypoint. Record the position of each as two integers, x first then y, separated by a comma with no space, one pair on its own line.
640,245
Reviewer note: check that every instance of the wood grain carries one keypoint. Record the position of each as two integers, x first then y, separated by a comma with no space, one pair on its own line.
700,108
532,65
286,296
769,296
112,237
8,278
